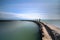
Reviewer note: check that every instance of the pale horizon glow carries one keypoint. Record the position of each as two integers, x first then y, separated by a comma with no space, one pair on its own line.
28,16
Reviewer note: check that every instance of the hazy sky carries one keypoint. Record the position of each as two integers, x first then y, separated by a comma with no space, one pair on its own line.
47,9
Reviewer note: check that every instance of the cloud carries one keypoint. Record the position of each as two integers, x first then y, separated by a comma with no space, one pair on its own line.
43,9
36,7
30,16
7,15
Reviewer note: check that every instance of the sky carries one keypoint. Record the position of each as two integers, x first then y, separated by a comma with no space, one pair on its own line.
30,9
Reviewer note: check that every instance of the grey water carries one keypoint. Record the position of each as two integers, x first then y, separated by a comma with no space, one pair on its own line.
18,30
22,30
52,22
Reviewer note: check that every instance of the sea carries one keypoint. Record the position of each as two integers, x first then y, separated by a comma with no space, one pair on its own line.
19,30
22,30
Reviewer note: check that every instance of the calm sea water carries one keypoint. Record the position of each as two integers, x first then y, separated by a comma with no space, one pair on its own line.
53,22
18,30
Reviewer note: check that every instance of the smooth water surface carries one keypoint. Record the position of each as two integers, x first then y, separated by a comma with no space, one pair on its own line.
19,30
53,22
